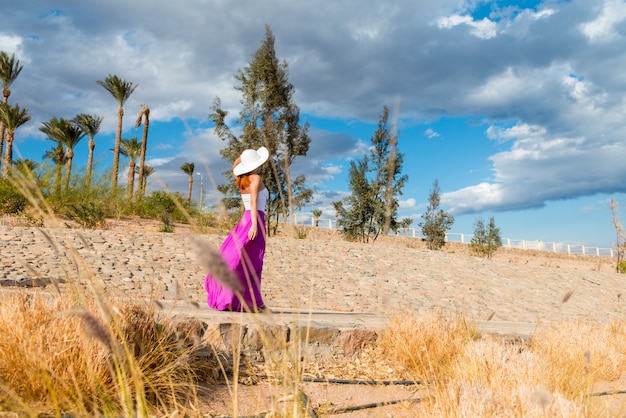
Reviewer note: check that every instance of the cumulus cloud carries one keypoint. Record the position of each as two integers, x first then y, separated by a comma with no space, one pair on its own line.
603,26
546,80
484,28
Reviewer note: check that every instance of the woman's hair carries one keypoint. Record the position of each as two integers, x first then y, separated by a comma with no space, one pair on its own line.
243,181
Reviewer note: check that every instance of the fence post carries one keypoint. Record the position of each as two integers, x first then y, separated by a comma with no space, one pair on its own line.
582,247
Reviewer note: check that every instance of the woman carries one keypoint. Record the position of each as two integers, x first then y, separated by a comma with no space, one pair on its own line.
244,248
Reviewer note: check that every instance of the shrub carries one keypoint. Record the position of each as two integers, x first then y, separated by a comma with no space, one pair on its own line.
89,214
486,241
11,200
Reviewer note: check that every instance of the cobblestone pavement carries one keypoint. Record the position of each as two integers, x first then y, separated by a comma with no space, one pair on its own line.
315,274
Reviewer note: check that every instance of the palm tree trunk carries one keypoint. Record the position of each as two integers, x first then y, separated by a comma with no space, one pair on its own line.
8,155
68,171
142,158
116,150
69,155
5,100
189,187
1,144
92,146
131,180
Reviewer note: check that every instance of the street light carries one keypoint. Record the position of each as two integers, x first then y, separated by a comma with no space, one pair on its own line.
201,189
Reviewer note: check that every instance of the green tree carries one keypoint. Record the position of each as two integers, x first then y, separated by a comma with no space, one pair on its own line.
26,166
375,181
317,213
90,126
67,135
121,90
148,170
620,236
361,206
189,169
71,136
12,117
486,240
57,154
436,222
270,118
10,68
143,118
130,148
338,206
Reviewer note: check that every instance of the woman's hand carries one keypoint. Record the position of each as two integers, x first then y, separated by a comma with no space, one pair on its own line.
252,232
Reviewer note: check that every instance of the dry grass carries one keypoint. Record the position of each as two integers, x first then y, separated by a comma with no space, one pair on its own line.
464,374
55,356
427,345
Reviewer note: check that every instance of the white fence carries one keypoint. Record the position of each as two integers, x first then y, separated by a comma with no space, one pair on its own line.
556,247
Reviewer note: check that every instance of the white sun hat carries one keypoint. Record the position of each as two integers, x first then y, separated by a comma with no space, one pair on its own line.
251,159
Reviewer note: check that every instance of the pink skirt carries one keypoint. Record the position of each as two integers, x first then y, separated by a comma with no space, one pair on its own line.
245,259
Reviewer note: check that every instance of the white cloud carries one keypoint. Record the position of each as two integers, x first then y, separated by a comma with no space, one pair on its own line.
602,28
332,169
168,111
430,133
483,29
409,203
10,43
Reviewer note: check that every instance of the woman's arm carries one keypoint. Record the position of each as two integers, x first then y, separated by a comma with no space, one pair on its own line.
254,194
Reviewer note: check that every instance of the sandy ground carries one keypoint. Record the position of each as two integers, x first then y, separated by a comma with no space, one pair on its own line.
323,272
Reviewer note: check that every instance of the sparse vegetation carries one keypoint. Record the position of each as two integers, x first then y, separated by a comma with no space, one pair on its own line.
436,222
11,200
376,180
94,359
485,241
620,237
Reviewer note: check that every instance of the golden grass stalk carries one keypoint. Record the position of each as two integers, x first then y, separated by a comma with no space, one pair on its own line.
427,344
68,359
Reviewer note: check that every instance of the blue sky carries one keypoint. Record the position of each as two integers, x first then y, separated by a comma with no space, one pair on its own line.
516,107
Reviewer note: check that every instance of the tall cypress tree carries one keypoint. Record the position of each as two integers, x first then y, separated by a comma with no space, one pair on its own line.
269,117
436,221
375,181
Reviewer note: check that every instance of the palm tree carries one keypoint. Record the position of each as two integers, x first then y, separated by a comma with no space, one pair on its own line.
143,116
121,91
148,170
26,167
90,126
71,136
68,135
188,168
12,118
316,215
130,148
9,70
338,206
57,154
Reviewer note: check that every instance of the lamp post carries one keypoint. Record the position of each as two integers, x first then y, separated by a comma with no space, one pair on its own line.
201,189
